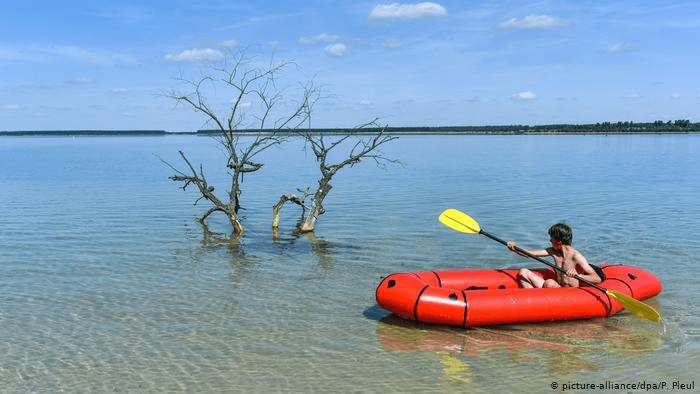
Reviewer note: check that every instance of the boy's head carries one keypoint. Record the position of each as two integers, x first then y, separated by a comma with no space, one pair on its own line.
561,232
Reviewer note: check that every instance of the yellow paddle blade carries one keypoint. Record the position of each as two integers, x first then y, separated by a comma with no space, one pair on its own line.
637,307
459,221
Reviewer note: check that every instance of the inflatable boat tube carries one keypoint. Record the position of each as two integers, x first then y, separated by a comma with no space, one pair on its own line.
490,297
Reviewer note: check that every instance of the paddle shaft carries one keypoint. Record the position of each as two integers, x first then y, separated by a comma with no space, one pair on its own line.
541,260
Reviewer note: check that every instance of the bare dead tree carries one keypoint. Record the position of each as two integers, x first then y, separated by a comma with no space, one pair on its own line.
253,98
357,144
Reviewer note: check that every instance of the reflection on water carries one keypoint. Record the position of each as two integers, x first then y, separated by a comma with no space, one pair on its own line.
455,369
561,347
322,249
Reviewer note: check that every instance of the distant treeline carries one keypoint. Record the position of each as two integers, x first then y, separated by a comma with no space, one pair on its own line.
657,127
84,132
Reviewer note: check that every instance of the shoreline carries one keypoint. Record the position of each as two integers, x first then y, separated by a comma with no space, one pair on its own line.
596,129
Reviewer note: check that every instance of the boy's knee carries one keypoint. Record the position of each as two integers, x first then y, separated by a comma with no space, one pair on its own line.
550,283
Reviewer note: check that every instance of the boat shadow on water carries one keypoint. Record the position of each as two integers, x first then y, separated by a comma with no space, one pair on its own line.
559,346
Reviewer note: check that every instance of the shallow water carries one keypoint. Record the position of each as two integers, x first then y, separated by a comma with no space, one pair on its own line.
108,282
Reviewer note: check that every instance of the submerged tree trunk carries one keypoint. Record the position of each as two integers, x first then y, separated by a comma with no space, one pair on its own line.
317,208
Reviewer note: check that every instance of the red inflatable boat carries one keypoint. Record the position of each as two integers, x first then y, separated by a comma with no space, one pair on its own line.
490,297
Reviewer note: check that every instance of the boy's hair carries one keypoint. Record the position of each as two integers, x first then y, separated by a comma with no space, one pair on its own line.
561,232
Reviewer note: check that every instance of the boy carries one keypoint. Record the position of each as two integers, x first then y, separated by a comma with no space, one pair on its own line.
565,257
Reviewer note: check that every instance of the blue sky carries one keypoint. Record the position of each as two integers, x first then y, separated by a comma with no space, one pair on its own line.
106,64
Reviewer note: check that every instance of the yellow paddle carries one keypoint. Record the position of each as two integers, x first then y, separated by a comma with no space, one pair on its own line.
462,222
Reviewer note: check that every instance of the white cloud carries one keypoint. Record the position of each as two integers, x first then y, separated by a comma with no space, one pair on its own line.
391,43
534,22
524,96
243,105
119,90
336,50
10,54
89,56
81,81
323,37
273,45
620,48
228,44
195,55
45,53
632,96
407,11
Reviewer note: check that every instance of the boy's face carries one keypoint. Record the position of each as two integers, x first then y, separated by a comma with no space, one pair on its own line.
555,244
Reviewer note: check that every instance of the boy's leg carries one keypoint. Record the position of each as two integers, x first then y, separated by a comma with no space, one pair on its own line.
529,279
551,283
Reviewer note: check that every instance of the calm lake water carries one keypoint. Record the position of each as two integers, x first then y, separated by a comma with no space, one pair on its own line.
109,284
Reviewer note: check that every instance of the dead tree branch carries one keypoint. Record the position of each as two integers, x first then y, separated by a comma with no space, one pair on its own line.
301,201
253,96
357,147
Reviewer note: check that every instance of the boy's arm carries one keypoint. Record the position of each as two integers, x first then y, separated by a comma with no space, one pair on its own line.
589,273
539,253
